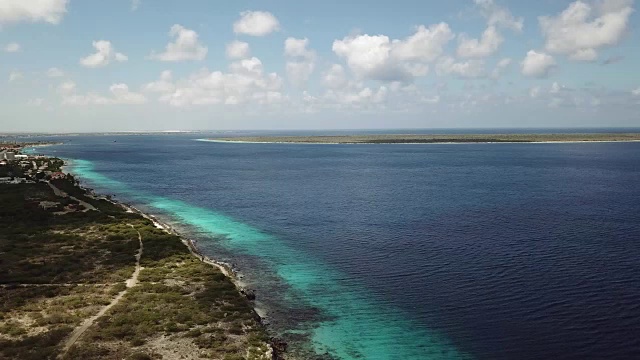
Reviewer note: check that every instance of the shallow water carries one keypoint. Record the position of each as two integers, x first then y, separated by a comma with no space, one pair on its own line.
488,251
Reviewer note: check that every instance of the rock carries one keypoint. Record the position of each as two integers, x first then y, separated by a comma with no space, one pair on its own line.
249,294
279,347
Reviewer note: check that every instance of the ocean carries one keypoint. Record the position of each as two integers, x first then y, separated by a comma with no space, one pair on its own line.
432,251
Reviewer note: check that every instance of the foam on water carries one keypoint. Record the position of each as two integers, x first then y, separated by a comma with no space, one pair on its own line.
354,324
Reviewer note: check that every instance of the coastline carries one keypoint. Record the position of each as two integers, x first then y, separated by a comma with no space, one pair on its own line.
415,143
451,138
277,346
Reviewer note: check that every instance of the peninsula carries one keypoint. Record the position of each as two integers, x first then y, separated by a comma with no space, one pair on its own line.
436,138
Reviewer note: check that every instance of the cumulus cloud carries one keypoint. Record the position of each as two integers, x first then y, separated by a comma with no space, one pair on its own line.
244,83
119,95
501,67
485,46
464,69
163,85
301,61
636,92
37,102
66,88
537,64
104,55
380,58
335,77
48,11
499,16
256,23
238,50
534,92
556,88
15,76
12,48
186,46
583,28
135,4
54,72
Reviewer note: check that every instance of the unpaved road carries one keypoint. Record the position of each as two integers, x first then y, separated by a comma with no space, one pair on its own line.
63,194
86,324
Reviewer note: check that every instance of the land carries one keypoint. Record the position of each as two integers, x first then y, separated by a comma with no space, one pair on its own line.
435,139
85,278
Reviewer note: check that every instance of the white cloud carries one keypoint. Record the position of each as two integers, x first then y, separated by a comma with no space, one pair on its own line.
49,11
335,77
474,48
135,4
238,50
556,88
301,61
636,92
499,16
501,67
119,95
537,64
54,72
37,102
466,69
297,48
584,55
379,58
163,85
185,47
105,54
534,91
583,28
15,76
13,47
256,23
66,88
244,83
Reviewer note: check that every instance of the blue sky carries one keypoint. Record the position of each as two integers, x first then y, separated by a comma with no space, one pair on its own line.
71,65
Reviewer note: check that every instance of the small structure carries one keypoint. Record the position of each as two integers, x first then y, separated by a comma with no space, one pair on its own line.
21,157
9,156
58,175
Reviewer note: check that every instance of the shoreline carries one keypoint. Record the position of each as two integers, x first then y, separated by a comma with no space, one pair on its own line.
416,143
277,345
227,269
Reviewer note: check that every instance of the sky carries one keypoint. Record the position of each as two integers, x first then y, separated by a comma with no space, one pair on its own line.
140,65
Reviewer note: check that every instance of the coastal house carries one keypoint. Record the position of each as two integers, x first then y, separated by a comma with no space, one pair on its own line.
58,175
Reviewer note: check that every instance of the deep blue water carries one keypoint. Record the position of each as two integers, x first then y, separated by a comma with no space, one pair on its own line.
485,251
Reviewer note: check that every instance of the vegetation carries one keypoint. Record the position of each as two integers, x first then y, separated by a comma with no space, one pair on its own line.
62,268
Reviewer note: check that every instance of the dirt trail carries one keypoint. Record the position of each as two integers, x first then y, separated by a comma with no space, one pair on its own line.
63,194
86,324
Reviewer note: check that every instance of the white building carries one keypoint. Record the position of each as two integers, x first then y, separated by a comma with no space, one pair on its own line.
9,156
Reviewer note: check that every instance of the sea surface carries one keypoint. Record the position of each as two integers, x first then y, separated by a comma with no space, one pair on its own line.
432,251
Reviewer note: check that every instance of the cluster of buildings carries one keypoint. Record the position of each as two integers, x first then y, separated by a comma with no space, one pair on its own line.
6,156
19,168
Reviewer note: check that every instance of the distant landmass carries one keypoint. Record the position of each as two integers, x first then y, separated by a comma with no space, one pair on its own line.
435,139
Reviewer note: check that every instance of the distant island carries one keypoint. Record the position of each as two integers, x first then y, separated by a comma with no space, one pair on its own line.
435,139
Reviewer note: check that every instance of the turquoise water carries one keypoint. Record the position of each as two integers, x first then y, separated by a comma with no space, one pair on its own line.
353,326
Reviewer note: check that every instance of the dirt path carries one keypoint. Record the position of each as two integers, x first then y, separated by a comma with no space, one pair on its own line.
86,324
63,194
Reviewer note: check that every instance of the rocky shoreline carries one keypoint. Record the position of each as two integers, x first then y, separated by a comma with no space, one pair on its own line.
278,347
